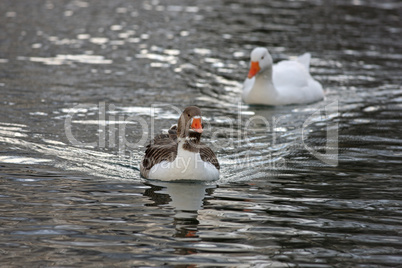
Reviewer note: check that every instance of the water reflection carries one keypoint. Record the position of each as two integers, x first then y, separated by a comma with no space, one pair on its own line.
68,59
186,199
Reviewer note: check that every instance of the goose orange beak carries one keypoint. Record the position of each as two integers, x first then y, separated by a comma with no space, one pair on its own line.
196,124
254,69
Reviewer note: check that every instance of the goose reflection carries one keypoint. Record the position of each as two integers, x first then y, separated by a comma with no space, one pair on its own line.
186,199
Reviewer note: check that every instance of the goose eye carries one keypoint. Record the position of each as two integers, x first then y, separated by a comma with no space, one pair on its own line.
188,115
262,57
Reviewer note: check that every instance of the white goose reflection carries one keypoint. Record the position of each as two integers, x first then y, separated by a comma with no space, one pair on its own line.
186,198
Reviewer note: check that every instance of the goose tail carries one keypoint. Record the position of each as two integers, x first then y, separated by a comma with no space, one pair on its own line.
305,60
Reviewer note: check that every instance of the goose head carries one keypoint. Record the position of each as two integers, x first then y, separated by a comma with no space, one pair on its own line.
260,60
190,122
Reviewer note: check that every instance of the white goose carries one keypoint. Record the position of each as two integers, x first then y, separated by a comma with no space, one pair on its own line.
287,82
179,155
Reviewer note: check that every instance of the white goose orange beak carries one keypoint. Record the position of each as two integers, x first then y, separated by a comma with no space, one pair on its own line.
254,69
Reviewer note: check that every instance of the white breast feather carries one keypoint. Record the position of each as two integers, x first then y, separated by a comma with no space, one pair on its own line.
186,166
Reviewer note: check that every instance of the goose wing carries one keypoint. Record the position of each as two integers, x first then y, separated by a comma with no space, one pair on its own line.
208,155
162,148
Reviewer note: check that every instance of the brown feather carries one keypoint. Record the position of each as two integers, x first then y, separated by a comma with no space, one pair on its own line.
208,155
162,148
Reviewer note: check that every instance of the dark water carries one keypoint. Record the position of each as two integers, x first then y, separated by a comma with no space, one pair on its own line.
84,85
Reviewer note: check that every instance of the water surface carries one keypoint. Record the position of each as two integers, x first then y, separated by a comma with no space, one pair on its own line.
85,84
